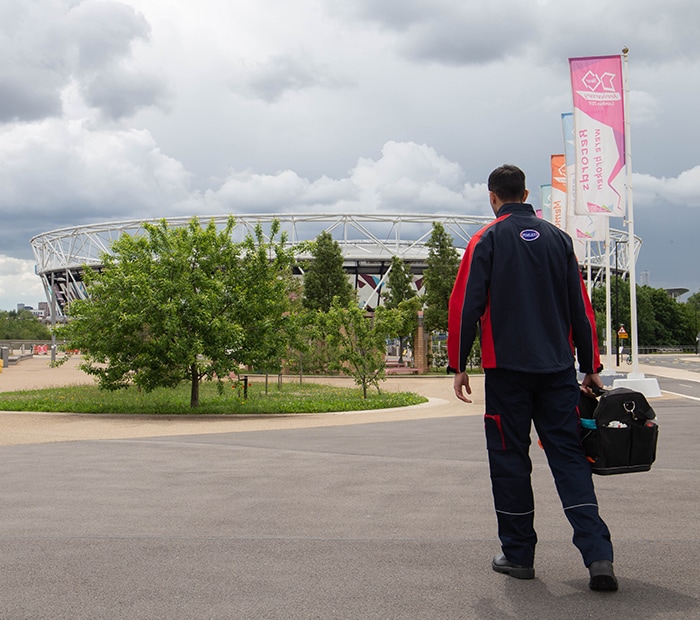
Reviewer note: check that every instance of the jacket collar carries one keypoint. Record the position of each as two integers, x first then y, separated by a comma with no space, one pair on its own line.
516,207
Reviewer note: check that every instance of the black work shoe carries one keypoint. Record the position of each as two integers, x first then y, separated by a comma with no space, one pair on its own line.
602,576
501,565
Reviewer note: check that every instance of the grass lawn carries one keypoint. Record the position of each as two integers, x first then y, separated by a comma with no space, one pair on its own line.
291,398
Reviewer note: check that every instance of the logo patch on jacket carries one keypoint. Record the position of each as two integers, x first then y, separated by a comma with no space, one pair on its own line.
529,235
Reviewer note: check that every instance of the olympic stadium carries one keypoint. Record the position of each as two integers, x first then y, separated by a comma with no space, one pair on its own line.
368,243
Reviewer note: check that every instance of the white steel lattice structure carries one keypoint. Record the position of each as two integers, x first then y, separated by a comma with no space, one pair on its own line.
368,243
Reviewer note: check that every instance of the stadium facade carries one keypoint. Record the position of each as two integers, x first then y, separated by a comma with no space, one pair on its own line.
368,243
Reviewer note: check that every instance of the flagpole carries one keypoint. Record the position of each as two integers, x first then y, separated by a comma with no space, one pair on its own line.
589,274
609,365
635,379
631,254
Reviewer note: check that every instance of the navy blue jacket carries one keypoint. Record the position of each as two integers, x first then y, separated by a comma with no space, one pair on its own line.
520,279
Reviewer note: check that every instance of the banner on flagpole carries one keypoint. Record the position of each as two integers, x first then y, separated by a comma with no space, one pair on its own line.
580,227
599,135
559,190
567,124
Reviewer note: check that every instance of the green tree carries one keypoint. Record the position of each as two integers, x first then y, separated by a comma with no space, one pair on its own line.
22,325
325,278
440,273
667,321
357,341
265,287
164,308
661,320
402,295
692,312
399,283
619,308
302,346
694,301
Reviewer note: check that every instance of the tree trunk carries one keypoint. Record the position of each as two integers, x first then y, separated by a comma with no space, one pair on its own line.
194,392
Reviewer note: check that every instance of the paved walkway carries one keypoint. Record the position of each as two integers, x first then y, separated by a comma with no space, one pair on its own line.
358,516
20,428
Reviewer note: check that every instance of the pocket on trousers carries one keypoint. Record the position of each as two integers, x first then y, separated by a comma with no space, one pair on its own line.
615,446
495,439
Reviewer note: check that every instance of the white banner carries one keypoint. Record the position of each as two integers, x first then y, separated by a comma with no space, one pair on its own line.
580,227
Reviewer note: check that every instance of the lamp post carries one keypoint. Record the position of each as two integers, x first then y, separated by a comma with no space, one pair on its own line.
617,311
697,333
617,304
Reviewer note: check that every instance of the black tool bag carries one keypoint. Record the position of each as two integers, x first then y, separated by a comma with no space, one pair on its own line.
619,431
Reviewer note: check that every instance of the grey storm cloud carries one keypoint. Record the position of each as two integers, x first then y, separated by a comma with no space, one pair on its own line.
340,106
271,79
102,32
461,34
28,95
446,32
47,45
119,93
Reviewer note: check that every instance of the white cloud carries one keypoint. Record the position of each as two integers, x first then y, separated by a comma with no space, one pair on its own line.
55,173
683,190
248,192
407,178
19,283
411,177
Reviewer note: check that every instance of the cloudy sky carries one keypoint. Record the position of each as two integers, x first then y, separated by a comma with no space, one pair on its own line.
121,109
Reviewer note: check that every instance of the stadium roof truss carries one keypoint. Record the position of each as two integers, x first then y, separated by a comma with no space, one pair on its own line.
368,242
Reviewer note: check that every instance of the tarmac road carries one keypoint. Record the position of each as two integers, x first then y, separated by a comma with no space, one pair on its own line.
364,516
679,387
678,375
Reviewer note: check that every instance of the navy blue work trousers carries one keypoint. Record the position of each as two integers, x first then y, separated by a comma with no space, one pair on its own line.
514,400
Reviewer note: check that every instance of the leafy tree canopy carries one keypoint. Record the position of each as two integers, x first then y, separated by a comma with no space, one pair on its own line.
357,341
178,304
22,325
661,320
439,275
324,277
399,283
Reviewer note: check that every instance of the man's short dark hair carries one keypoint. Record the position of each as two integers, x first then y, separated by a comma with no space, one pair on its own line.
508,183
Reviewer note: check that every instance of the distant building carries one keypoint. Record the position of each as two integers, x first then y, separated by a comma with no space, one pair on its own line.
675,293
41,313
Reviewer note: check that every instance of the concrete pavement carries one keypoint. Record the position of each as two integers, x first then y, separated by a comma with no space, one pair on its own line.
360,516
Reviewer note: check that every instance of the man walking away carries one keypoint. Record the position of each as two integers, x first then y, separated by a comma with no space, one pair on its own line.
520,280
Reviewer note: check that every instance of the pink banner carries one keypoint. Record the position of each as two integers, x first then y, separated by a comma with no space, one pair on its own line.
599,135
